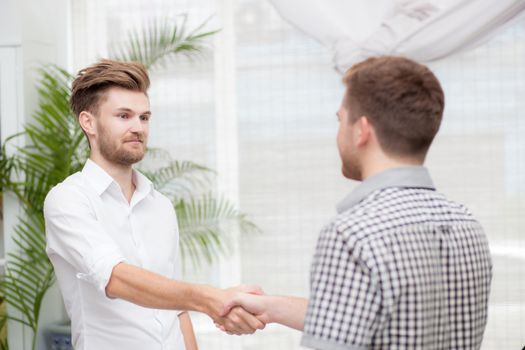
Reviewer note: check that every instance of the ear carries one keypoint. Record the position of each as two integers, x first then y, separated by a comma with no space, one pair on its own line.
364,131
87,123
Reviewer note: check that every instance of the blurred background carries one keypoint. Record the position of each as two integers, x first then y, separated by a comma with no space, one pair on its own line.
258,106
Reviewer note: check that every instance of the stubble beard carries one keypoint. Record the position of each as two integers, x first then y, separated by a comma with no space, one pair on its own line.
119,155
351,168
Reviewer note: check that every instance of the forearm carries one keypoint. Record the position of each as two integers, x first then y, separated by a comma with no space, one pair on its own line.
152,290
286,310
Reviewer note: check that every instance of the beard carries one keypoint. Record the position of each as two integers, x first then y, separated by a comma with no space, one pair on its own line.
116,153
351,168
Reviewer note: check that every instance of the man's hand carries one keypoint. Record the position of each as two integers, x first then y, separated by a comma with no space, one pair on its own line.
255,304
286,310
237,320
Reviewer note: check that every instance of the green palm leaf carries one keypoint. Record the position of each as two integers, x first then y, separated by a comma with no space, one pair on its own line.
175,179
205,224
161,41
3,325
29,273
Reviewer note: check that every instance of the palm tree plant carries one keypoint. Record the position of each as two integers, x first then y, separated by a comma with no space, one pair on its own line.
56,148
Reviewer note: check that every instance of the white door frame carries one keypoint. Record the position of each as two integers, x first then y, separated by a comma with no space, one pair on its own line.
11,121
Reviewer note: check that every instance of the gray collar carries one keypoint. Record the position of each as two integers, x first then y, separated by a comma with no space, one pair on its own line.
406,176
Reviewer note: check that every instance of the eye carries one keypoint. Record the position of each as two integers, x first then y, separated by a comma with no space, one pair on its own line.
144,117
123,116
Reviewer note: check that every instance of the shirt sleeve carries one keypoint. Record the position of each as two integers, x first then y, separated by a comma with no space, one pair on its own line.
74,234
345,301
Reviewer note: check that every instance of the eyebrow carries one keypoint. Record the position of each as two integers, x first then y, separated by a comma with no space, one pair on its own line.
125,109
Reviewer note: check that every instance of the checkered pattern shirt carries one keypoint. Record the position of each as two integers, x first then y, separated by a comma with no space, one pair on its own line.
400,267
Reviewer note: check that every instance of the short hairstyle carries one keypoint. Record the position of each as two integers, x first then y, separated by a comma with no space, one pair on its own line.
91,83
402,99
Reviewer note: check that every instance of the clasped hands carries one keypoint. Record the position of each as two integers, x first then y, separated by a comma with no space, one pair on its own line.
240,310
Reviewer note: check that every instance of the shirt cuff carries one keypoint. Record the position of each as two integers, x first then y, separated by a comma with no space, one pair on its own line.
100,271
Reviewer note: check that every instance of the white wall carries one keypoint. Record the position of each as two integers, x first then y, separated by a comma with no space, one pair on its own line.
9,27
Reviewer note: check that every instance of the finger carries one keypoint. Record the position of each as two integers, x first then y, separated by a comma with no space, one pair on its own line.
238,324
252,321
234,323
221,328
247,322
263,318
231,325
229,306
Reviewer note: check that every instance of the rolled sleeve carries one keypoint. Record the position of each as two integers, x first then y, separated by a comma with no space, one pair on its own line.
100,272
345,301
74,234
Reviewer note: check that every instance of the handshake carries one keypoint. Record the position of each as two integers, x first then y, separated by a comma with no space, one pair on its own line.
237,310
245,309
241,310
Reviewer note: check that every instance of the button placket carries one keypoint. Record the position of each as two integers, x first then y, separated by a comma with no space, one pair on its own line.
161,327
137,240
130,226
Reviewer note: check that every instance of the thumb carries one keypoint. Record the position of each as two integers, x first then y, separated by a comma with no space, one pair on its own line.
252,289
228,306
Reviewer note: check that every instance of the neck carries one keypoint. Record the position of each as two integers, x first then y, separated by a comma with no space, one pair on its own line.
379,162
122,174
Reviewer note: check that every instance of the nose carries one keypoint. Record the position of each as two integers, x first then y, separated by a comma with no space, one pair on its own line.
136,125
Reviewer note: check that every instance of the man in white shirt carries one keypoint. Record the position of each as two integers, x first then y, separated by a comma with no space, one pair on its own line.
113,239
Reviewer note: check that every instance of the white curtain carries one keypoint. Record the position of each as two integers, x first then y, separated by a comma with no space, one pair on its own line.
424,30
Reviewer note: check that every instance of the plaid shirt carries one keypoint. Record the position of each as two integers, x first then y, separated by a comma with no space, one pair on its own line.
400,267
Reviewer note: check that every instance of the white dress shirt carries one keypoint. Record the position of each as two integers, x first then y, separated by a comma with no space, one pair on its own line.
90,228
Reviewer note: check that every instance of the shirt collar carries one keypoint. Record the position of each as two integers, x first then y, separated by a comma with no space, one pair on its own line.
406,176
143,185
100,180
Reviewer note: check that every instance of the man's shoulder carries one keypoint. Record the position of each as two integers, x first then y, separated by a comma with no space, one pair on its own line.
387,209
161,198
72,186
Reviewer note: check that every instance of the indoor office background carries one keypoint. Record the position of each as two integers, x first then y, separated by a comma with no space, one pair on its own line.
284,171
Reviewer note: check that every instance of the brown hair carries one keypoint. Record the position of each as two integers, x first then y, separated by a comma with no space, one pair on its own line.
91,83
402,99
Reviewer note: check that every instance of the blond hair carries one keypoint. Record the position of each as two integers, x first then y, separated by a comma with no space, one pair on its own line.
90,85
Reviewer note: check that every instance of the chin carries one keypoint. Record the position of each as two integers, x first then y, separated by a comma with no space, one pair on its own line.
352,174
128,158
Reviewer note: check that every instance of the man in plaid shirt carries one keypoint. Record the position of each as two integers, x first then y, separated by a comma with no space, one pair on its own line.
400,266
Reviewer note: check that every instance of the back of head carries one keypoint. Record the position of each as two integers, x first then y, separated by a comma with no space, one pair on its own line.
402,99
91,83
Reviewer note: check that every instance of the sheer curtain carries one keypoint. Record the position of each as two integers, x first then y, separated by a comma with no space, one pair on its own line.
424,30
288,169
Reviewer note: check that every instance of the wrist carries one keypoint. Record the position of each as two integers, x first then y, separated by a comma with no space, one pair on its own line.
205,300
271,315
